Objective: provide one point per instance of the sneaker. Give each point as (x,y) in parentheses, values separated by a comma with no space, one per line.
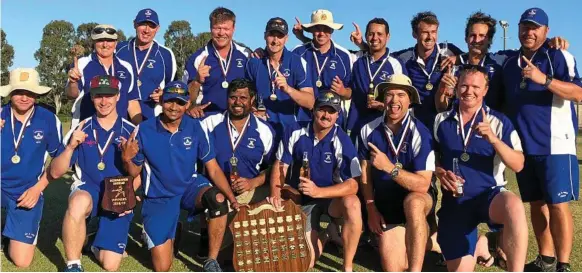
(74,268)
(211,265)
(177,238)
(203,246)
(538,265)
(564,268)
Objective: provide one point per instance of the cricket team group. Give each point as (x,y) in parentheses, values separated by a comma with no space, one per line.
(378,129)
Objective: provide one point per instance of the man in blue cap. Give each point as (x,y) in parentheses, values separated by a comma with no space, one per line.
(154,65)
(165,150)
(542,83)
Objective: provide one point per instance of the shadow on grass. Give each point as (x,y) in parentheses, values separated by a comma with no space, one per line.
(55,205)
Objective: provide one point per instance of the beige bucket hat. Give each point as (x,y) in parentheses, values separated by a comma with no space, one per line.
(399,81)
(322,17)
(104,32)
(25,79)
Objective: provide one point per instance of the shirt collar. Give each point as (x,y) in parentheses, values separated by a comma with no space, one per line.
(464,59)
(432,57)
(453,113)
(133,41)
(161,128)
(327,138)
(95,124)
(402,122)
(331,51)
(381,58)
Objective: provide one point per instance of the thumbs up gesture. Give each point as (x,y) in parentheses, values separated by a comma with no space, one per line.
(533,72)
(203,71)
(379,159)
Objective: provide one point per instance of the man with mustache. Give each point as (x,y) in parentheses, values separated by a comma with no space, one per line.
(29,133)
(93,148)
(542,84)
(210,69)
(103,61)
(154,65)
(331,186)
(397,164)
(282,79)
(165,150)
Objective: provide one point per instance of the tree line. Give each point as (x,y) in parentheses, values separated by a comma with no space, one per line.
(59,36)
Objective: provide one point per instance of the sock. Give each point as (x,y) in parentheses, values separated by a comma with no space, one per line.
(69,263)
(562,265)
(548,259)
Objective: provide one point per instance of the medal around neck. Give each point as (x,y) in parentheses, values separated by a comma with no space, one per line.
(429,86)
(318,83)
(465,157)
(225,84)
(15,159)
(101,166)
(273,97)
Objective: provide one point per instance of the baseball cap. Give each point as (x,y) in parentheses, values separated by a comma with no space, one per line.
(399,81)
(104,85)
(328,98)
(104,32)
(176,90)
(535,15)
(277,24)
(147,15)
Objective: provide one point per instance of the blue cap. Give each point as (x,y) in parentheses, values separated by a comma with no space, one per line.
(535,15)
(147,15)
(176,90)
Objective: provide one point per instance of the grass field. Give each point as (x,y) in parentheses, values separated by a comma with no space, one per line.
(49,255)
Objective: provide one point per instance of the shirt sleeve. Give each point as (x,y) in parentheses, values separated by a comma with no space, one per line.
(350,165)
(205,144)
(269,151)
(139,157)
(132,92)
(190,69)
(250,70)
(362,147)
(565,68)
(284,151)
(509,135)
(55,136)
(171,66)
(423,153)
(302,74)
(63,145)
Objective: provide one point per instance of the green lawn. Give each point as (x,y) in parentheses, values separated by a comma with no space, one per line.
(49,255)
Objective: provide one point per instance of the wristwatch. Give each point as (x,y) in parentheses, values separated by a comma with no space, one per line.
(549,79)
(394,173)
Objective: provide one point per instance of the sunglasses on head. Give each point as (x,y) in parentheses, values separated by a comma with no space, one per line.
(325,97)
(479,68)
(108,30)
(176,90)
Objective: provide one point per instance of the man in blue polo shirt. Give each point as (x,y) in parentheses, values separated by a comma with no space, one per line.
(210,69)
(396,152)
(154,65)
(165,150)
(29,133)
(282,79)
(542,83)
(369,70)
(93,148)
(475,143)
(329,63)
(103,61)
(329,185)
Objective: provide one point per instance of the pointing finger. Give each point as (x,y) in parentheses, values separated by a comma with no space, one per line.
(356,26)
(527,61)
(203,62)
(205,105)
(485,119)
(374,148)
(80,127)
(297,20)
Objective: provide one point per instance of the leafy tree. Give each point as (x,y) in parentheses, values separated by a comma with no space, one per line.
(7,54)
(181,41)
(121,36)
(54,58)
(84,36)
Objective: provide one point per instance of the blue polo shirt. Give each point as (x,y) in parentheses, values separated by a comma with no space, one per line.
(416,153)
(495,94)
(41,138)
(332,159)
(169,160)
(89,66)
(546,123)
(339,63)
(158,70)
(484,170)
(284,110)
(359,113)
(86,156)
(255,147)
(212,90)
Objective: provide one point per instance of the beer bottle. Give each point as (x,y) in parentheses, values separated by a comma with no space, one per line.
(305,172)
(233,169)
(459,186)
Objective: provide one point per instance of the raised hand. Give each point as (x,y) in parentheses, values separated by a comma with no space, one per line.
(308,187)
(337,85)
(203,71)
(533,72)
(484,129)
(198,110)
(129,148)
(297,28)
(356,35)
(379,159)
(281,82)
(155,96)
(78,136)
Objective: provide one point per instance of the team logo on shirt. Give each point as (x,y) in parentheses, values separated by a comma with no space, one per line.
(151,63)
(563,194)
(239,63)
(188,142)
(384,76)
(251,144)
(121,74)
(29,235)
(404,147)
(332,64)
(121,245)
(38,135)
(327,157)
(286,73)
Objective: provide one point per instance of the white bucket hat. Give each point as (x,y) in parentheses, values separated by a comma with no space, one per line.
(24,79)
(323,17)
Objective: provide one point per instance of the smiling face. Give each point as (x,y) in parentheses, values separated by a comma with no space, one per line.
(377,37)
(240,103)
(477,39)
(321,34)
(22,100)
(146,32)
(397,103)
(325,117)
(532,36)
(174,109)
(105,48)
(275,41)
(426,35)
(105,104)
(472,88)
(222,32)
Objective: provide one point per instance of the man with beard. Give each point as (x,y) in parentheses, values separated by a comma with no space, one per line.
(31,133)
(154,65)
(475,143)
(210,69)
(93,148)
(102,62)
(282,79)
(331,186)
(397,163)
(329,63)
(542,83)
(165,150)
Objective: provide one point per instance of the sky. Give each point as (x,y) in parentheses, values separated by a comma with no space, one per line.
(23,20)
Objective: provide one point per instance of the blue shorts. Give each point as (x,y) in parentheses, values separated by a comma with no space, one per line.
(112,230)
(21,224)
(551,178)
(160,215)
(457,227)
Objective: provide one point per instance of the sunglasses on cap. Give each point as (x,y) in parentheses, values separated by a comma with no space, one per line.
(479,68)
(328,98)
(108,30)
(176,90)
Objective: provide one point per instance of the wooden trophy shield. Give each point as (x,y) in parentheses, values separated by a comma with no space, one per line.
(118,195)
(268,240)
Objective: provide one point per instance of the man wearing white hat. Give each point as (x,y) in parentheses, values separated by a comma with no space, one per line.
(29,132)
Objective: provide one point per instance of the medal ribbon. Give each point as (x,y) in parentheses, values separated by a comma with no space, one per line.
(396,150)
(462,128)
(272,75)
(379,68)
(224,68)
(102,151)
(481,63)
(18,140)
(140,67)
(320,69)
(433,66)
(234,142)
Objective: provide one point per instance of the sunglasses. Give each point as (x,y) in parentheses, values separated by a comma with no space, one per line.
(326,97)
(479,68)
(108,30)
(176,90)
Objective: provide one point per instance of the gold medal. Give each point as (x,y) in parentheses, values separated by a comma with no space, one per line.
(371,86)
(465,157)
(318,83)
(15,159)
(139,83)
(273,97)
(398,165)
(429,86)
(101,166)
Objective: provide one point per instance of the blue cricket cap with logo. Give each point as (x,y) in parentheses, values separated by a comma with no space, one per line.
(176,90)
(535,15)
(147,15)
